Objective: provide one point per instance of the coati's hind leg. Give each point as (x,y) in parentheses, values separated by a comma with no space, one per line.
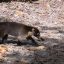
(29,37)
(4,38)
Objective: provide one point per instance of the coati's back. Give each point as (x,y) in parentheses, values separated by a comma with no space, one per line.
(14,29)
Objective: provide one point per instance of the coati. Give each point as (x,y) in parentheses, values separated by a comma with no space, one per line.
(20,31)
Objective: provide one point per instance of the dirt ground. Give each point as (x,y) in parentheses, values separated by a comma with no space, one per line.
(48,17)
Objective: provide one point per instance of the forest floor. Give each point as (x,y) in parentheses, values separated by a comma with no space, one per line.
(48,17)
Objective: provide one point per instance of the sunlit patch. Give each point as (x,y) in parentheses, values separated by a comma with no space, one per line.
(3,50)
(19,13)
(59,0)
(37,48)
(48,6)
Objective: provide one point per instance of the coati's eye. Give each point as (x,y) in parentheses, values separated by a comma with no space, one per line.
(38,34)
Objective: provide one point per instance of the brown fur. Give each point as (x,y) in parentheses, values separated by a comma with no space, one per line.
(20,31)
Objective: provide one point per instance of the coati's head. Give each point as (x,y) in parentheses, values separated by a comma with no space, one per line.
(36,32)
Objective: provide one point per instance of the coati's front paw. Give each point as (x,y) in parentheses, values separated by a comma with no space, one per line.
(41,39)
(33,40)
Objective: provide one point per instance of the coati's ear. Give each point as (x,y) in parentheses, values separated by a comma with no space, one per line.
(33,29)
